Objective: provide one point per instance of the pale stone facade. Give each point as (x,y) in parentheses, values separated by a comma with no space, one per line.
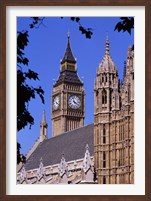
(114,121)
(73,172)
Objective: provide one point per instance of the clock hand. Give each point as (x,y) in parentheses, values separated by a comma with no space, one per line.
(57,103)
(75,102)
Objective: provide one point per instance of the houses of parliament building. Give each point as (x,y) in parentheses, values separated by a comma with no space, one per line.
(98,153)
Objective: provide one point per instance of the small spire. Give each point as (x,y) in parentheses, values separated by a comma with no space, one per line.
(43,117)
(43,127)
(41,160)
(124,73)
(87,147)
(107,44)
(63,155)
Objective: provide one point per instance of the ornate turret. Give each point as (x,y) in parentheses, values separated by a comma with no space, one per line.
(106,84)
(107,63)
(106,103)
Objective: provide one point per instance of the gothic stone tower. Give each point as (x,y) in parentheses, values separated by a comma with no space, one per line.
(67,96)
(127,119)
(113,122)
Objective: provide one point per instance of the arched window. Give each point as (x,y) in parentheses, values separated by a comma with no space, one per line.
(129,93)
(104,180)
(104,159)
(98,136)
(121,157)
(123,132)
(97,99)
(102,78)
(111,94)
(119,133)
(106,78)
(104,96)
(132,76)
(104,134)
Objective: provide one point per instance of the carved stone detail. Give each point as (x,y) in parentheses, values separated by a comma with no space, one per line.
(23,175)
(87,163)
(63,166)
(41,170)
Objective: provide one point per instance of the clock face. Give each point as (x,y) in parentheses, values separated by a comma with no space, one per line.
(74,102)
(56,102)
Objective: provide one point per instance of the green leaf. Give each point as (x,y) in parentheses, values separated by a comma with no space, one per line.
(32,75)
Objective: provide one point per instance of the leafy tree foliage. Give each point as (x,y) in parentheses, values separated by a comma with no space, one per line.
(25,92)
(126,24)
(88,32)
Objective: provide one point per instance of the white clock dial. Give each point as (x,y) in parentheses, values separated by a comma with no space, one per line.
(56,103)
(74,102)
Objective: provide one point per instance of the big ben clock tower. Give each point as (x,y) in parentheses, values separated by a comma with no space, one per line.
(67,96)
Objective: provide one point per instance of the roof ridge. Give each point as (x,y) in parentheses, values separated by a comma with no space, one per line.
(71,131)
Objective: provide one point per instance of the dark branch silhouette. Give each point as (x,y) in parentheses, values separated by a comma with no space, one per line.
(25,92)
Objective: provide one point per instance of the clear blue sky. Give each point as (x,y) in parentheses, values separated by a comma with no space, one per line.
(46,47)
